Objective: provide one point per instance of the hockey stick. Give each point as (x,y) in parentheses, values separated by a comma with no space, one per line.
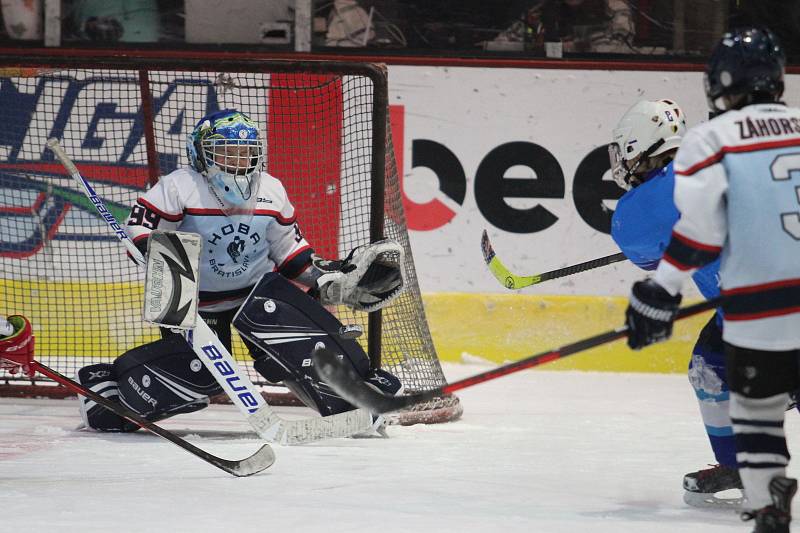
(343,379)
(513,281)
(261,460)
(213,354)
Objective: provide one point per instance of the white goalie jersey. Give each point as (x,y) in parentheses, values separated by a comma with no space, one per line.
(737,187)
(237,250)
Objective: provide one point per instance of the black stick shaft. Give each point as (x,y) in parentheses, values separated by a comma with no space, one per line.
(566,350)
(580,267)
(229,466)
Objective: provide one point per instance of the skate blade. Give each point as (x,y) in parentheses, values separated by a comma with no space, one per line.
(730,500)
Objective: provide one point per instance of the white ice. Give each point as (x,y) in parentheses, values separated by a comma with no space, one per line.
(535,451)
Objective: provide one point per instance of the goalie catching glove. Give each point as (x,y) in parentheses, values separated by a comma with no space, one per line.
(368,279)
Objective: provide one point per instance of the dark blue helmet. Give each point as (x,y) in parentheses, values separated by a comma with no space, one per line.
(746,66)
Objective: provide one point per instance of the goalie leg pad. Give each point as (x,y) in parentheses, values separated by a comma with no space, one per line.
(164,378)
(280,321)
(100,378)
(219,323)
(308,389)
(318,396)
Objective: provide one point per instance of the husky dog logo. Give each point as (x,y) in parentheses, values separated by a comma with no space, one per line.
(235,248)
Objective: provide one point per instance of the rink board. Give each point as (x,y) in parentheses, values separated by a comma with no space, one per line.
(508,327)
(494,327)
(83,318)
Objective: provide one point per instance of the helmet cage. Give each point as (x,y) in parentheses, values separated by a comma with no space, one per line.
(233,166)
(225,147)
(627,172)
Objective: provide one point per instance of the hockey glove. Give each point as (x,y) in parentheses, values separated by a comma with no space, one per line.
(368,279)
(650,314)
(16,350)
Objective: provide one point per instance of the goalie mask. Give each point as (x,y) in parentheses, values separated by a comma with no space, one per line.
(645,135)
(226,148)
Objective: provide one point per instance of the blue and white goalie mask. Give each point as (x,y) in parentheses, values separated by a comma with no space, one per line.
(226,148)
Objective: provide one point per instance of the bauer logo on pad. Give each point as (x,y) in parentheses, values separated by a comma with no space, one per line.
(171,283)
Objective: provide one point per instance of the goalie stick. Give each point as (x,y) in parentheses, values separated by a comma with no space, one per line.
(513,281)
(213,354)
(343,378)
(261,460)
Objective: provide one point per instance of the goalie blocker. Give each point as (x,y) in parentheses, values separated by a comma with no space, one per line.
(281,326)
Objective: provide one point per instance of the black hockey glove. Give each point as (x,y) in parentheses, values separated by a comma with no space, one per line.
(650,314)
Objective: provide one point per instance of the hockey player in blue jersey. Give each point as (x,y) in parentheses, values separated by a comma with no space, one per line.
(252,247)
(736,187)
(644,144)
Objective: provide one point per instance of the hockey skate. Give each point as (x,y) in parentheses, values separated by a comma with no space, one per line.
(703,488)
(775,518)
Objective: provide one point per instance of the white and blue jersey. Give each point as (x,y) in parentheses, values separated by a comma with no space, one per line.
(737,187)
(237,250)
(642,225)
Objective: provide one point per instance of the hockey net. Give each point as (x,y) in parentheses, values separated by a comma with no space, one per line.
(124,122)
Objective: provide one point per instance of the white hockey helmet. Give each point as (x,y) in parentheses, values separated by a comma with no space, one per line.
(647,130)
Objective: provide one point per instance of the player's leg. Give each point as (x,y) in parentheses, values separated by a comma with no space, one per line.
(281,325)
(710,383)
(760,383)
(158,380)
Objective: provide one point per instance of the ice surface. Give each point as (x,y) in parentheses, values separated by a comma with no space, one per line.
(535,451)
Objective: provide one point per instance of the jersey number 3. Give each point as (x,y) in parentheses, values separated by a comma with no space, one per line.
(782,168)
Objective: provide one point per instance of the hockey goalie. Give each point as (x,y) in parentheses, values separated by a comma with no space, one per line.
(253,258)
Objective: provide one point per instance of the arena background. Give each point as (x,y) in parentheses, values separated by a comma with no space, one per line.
(456,126)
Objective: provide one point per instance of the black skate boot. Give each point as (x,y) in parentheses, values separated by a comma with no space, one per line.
(702,487)
(775,518)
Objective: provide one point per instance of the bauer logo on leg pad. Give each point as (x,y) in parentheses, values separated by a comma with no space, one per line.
(171,281)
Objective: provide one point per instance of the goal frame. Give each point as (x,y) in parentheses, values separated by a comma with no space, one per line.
(36,61)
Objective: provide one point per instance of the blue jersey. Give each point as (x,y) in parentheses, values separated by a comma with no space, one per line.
(642,225)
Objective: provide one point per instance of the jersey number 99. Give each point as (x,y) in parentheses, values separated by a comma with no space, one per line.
(141,216)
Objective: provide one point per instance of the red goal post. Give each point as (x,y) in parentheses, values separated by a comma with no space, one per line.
(124,121)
